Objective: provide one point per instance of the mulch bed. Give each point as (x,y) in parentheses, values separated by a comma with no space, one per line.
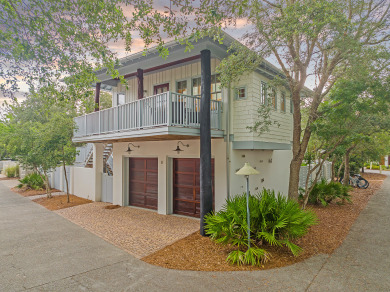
(60,202)
(9,178)
(201,254)
(111,207)
(25,192)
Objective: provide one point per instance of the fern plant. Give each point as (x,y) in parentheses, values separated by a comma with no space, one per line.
(274,221)
(324,192)
(32,181)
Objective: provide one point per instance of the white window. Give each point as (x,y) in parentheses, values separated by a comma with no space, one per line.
(263,93)
(241,93)
(181,87)
(120,99)
(274,98)
(216,91)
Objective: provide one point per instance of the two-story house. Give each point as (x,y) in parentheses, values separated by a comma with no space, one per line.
(151,133)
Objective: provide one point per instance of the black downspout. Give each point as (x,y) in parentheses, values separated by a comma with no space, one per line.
(206,195)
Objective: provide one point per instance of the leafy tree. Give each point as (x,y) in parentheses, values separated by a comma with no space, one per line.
(39,133)
(354,112)
(42,41)
(322,40)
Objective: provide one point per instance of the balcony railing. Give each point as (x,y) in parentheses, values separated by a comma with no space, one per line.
(165,109)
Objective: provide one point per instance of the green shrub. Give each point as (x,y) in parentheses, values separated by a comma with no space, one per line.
(32,181)
(383,167)
(274,221)
(12,171)
(324,192)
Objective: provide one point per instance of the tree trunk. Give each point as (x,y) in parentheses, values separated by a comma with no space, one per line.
(339,170)
(48,189)
(66,181)
(333,174)
(293,185)
(346,168)
(298,147)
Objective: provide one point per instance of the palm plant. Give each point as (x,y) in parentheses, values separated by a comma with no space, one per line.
(275,221)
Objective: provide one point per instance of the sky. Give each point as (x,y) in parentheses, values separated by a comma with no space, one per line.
(138,45)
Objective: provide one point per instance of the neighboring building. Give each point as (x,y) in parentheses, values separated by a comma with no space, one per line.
(159,109)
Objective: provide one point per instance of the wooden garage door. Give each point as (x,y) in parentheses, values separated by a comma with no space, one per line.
(186,186)
(143,182)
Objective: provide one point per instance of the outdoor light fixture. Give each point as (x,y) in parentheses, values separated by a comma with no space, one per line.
(129,149)
(247,170)
(178,150)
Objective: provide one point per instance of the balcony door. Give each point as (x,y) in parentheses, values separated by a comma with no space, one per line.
(157,89)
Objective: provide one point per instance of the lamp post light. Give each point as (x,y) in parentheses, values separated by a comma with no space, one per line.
(246,171)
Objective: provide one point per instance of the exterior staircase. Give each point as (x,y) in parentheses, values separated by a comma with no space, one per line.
(107,158)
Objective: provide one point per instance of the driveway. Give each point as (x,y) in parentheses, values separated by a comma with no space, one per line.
(41,251)
(138,231)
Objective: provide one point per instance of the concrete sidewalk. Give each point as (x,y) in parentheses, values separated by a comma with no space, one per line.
(41,251)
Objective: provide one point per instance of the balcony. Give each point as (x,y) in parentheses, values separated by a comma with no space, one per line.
(166,114)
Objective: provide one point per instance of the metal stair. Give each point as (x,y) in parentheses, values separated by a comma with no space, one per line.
(107,158)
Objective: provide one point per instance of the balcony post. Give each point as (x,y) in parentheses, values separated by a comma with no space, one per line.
(206,194)
(168,109)
(140,81)
(97,97)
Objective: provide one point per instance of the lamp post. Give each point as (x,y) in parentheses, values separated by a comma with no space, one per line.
(246,171)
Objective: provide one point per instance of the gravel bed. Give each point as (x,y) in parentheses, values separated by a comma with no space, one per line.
(138,231)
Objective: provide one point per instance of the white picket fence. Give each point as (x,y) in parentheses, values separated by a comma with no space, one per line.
(326,173)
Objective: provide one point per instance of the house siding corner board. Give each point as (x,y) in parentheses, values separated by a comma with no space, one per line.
(170,75)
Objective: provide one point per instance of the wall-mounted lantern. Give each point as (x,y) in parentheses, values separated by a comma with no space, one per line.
(129,150)
(178,149)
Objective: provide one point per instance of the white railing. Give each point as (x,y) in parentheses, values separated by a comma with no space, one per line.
(165,109)
(83,154)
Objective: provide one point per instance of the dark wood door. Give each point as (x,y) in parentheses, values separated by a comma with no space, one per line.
(186,186)
(143,182)
(161,88)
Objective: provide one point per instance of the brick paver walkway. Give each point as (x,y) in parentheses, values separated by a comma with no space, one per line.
(140,232)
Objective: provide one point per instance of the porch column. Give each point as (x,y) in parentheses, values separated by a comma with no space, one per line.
(98,149)
(206,195)
(97,97)
(140,81)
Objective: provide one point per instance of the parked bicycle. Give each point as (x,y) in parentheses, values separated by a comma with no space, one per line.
(356,180)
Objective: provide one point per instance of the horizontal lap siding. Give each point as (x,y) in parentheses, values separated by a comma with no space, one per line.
(245,113)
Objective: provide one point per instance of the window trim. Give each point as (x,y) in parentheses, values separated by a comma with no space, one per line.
(273,90)
(263,96)
(236,89)
(117,97)
(181,80)
(198,77)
